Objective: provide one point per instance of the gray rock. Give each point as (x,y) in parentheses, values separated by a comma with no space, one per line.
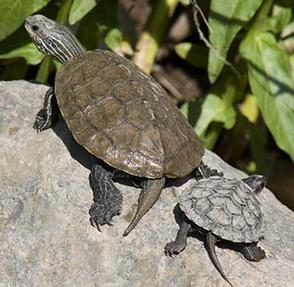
(46,238)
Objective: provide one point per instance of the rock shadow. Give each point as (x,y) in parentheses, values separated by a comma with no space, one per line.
(200,233)
(86,159)
(77,152)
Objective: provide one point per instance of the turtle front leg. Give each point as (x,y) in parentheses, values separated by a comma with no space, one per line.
(203,171)
(150,193)
(180,243)
(253,252)
(107,198)
(48,115)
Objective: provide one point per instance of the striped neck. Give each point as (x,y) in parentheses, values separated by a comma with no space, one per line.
(61,46)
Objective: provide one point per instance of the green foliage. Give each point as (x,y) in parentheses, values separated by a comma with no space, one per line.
(27,51)
(79,9)
(271,82)
(13,13)
(246,101)
(226,18)
(19,45)
(196,55)
(280,18)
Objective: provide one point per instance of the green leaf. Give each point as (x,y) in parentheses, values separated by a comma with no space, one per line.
(196,55)
(79,9)
(113,38)
(271,82)
(19,45)
(249,108)
(88,32)
(212,110)
(185,2)
(287,36)
(288,31)
(108,24)
(29,52)
(209,115)
(191,110)
(226,18)
(280,18)
(292,65)
(13,13)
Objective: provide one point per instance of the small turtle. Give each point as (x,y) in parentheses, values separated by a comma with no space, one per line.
(118,113)
(221,209)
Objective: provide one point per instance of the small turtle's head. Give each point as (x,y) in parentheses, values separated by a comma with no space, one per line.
(53,39)
(256,182)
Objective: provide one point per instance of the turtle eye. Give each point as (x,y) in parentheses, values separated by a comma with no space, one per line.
(35,28)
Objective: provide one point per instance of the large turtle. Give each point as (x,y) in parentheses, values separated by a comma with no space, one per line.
(119,114)
(221,209)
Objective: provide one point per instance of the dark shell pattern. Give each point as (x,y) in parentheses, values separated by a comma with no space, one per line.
(122,116)
(227,207)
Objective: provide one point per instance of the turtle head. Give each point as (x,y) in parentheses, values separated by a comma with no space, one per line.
(53,39)
(256,182)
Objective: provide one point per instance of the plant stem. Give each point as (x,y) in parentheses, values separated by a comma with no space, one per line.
(212,135)
(63,11)
(43,71)
(149,41)
(262,15)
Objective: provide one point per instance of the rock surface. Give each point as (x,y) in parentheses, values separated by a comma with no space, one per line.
(46,238)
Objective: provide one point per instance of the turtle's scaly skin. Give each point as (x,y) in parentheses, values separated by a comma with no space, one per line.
(227,207)
(122,116)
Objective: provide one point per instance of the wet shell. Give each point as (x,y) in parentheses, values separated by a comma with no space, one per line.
(122,116)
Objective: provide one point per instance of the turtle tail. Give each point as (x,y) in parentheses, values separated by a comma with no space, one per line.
(149,195)
(210,245)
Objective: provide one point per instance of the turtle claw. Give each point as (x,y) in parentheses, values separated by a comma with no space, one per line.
(94,224)
(100,215)
(109,222)
(168,253)
(42,122)
(173,248)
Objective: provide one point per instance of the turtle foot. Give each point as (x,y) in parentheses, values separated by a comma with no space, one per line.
(101,215)
(107,198)
(253,253)
(41,123)
(47,116)
(180,243)
(174,247)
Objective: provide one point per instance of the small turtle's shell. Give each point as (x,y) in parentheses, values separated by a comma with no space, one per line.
(122,116)
(227,207)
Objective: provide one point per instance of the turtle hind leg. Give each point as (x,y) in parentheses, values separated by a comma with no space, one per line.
(48,115)
(107,198)
(180,243)
(210,246)
(253,252)
(150,193)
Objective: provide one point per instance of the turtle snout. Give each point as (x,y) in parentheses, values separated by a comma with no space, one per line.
(31,25)
(256,182)
(260,182)
(28,25)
